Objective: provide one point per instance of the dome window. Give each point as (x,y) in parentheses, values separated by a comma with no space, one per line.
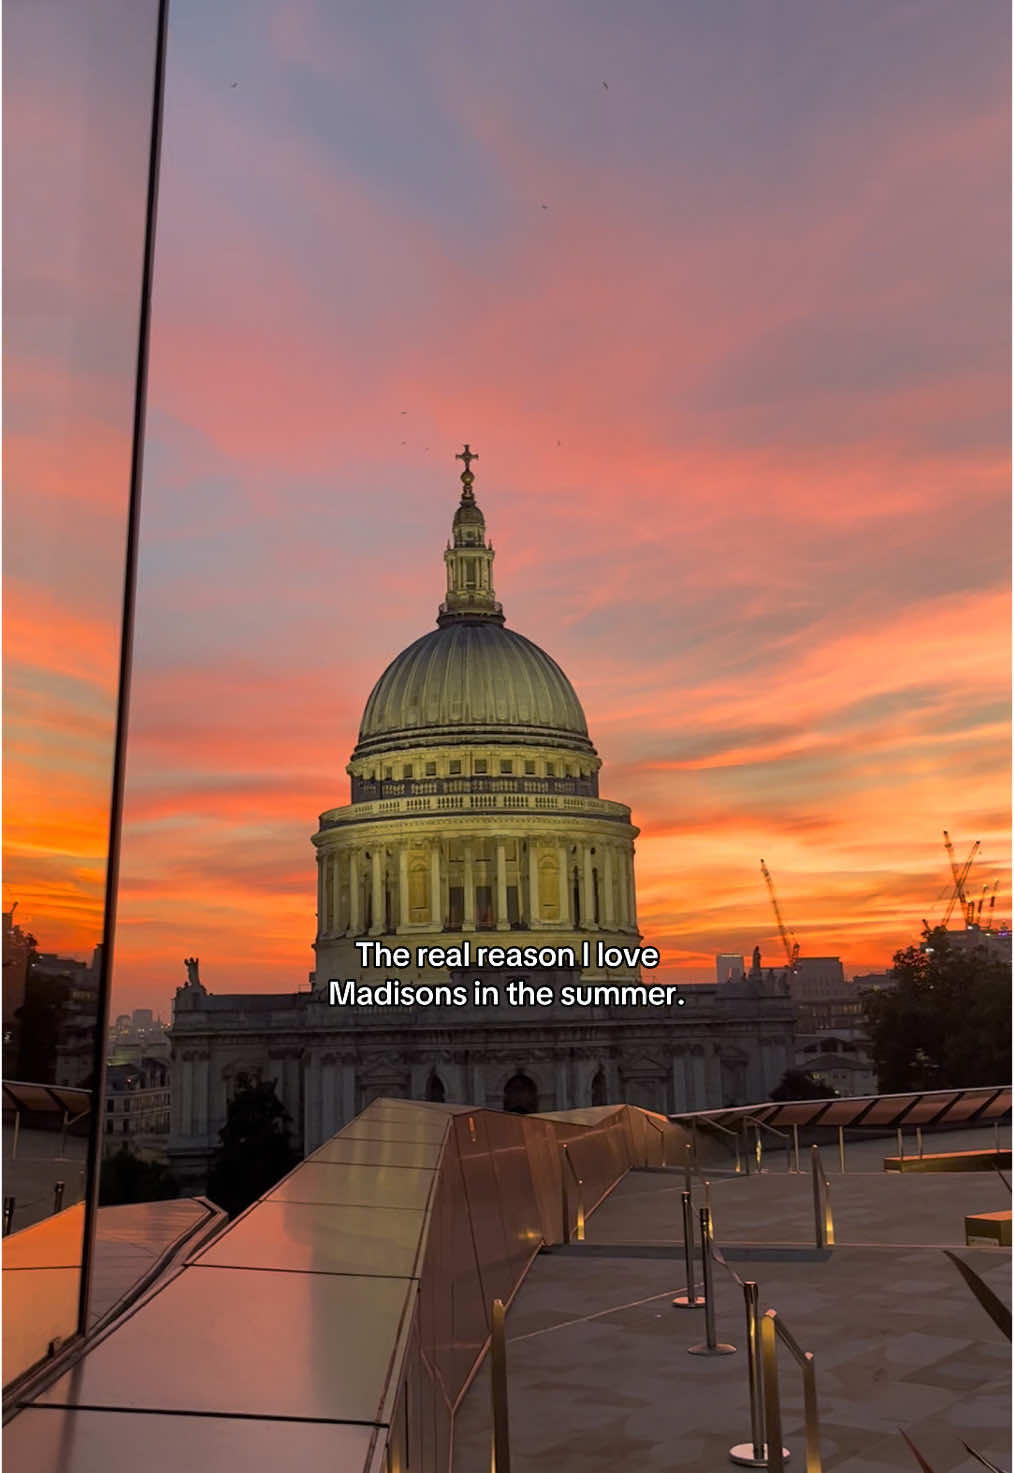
(480,764)
(388,773)
(506,765)
(529,769)
(550,769)
(454,768)
(431,769)
(406,770)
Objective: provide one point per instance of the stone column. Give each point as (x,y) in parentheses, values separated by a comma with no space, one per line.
(403,912)
(561,859)
(587,890)
(201,1094)
(355,921)
(336,893)
(187,1112)
(502,922)
(609,910)
(379,898)
(321,917)
(533,884)
(628,879)
(348,1092)
(436,897)
(562,1093)
(468,924)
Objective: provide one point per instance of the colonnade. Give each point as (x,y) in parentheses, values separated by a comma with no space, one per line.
(495,882)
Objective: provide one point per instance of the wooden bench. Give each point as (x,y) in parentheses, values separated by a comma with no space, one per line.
(988,1227)
(990,1160)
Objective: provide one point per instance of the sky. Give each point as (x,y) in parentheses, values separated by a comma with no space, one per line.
(721,296)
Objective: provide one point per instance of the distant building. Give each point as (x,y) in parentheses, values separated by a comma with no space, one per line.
(728,966)
(994,944)
(138,1107)
(17,955)
(816,977)
(842,1063)
(136,1036)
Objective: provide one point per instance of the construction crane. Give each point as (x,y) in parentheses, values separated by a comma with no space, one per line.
(791,947)
(992,903)
(960,876)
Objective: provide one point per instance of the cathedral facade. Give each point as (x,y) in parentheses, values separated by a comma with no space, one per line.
(474,822)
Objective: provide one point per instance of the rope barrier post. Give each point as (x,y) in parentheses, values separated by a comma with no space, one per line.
(688,1169)
(739,1163)
(58,1196)
(710,1346)
(841,1148)
(772,1401)
(795,1144)
(752,1454)
(901,1145)
(758,1147)
(8,1215)
(500,1461)
(812,1421)
(918,1140)
(689,1300)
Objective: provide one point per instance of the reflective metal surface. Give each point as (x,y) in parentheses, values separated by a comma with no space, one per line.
(95,1442)
(250,1343)
(357,1294)
(932,1107)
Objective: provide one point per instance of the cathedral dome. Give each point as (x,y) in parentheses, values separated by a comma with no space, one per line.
(472,680)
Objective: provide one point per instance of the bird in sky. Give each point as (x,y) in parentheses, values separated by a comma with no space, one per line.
(606,86)
(545,207)
(233,84)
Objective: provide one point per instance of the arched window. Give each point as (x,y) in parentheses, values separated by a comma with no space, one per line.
(435,1090)
(520,1096)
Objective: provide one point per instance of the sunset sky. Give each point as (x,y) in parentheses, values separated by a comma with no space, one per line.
(719,292)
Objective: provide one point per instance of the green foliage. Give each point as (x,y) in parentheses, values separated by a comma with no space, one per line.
(946,1023)
(255,1152)
(127,1178)
(796,1084)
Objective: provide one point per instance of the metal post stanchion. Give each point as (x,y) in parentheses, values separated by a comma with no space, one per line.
(841,1148)
(901,1146)
(711,1345)
(564,1194)
(788,1154)
(739,1163)
(758,1147)
(688,1169)
(753,1454)
(689,1300)
(8,1215)
(918,1140)
(772,1402)
(501,1455)
(996,1136)
(795,1144)
(58,1196)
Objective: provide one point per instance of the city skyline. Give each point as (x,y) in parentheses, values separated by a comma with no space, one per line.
(721,299)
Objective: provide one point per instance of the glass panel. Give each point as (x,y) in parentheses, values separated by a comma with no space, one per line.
(77,113)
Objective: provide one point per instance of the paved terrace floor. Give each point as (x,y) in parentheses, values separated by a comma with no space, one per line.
(599,1375)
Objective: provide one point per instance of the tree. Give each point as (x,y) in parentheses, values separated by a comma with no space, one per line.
(946,1022)
(255,1151)
(796,1084)
(127,1178)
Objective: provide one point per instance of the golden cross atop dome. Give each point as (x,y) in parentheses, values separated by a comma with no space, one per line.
(467,455)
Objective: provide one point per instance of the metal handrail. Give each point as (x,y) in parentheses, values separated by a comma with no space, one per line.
(823,1222)
(579,1224)
(714,1125)
(771,1326)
